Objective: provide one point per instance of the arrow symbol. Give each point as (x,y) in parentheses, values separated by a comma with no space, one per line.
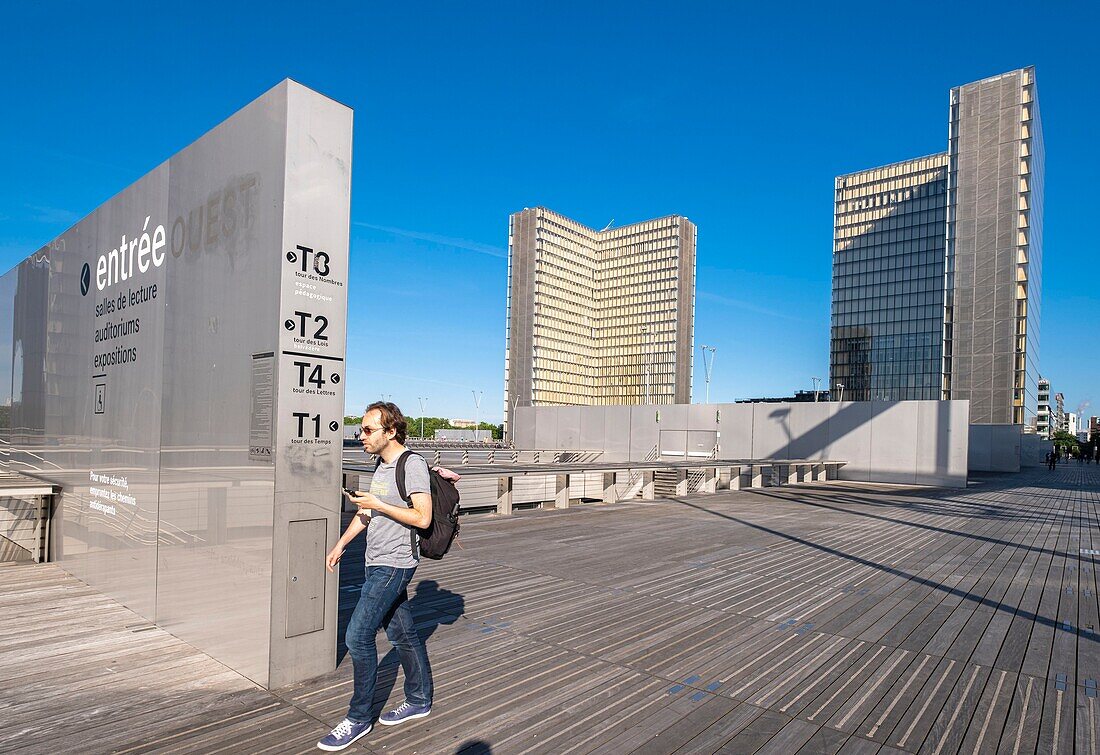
(291,257)
(85,279)
(335,378)
(289,325)
(334,425)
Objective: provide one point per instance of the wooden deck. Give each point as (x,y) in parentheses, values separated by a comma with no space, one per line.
(818,619)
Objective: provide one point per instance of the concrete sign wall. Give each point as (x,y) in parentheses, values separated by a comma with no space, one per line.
(919,442)
(176,361)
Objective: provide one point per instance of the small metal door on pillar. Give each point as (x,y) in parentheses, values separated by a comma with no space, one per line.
(305,586)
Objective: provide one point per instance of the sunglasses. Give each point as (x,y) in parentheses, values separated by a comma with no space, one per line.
(365,431)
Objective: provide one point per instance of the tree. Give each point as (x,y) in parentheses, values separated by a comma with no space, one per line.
(498,430)
(1065,443)
(431,424)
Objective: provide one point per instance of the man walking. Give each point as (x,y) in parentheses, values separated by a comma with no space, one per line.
(392,556)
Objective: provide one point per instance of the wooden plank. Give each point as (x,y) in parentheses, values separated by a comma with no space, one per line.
(726,728)
(824,742)
(759,732)
(673,737)
(791,738)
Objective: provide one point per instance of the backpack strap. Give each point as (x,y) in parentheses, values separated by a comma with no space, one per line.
(399,478)
(399,475)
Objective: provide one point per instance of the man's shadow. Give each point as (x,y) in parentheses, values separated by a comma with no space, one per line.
(431,607)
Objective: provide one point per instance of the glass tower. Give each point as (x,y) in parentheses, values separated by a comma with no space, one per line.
(888,259)
(937,263)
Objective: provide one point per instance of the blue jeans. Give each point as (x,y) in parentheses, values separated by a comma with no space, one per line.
(384,602)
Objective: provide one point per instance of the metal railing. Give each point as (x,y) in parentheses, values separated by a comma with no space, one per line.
(438,456)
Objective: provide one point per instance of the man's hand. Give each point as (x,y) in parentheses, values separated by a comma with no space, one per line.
(334,557)
(365,501)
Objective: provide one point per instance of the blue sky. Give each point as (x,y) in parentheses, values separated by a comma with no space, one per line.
(738,118)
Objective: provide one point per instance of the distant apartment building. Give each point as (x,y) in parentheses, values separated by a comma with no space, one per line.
(937,263)
(1094,427)
(598,317)
(1072,420)
(1044,419)
(1058,413)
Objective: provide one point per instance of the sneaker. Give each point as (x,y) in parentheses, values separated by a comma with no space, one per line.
(405,712)
(343,735)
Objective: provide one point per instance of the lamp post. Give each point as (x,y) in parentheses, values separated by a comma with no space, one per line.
(708,367)
(840,386)
(816,380)
(477,409)
(512,420)
(423,402)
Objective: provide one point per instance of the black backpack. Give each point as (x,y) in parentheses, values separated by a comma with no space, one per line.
(436,540)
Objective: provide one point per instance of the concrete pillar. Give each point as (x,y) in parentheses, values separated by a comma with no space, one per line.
(792,474)
(758,472)
(561,491)
(649,486)
(504,495)
(806,472)
(735,478)
(681,481)
(724,478)
(609,493)
(819,473)
(710,480)
(830,471)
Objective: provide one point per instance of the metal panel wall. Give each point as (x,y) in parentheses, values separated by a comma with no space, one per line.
(309,431)
(893,461)
(771,432)
(809,424)
(735,430)
(644,432)
(994,448)
(850,438)
(131,344)
(217,504)
(617,439)
(923,442)
(936,457)
(523,428)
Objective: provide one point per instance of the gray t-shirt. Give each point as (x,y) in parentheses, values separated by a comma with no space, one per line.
(388,541)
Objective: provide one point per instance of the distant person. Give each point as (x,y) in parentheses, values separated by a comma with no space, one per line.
(392,556)
(1050,460)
